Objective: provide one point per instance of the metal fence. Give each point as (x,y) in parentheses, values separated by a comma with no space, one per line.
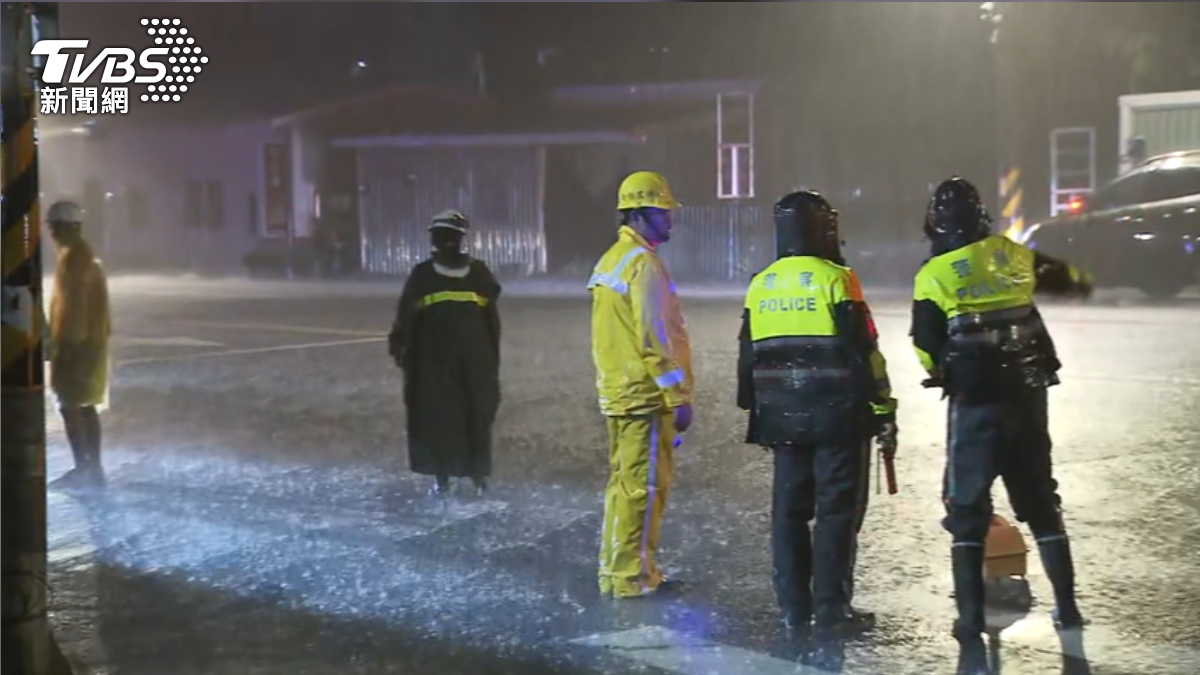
(498,189)
(720,243)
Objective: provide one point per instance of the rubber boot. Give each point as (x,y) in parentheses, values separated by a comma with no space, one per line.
(970,593)
(970,596)
(973,657)
(1060,568)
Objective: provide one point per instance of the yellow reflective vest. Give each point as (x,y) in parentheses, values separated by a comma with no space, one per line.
(796,297)
(639,336)
(992,280)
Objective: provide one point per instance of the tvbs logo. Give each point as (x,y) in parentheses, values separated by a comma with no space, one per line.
(166,69)
(117,61)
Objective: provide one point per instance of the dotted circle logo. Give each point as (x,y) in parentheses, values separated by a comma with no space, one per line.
(186,58)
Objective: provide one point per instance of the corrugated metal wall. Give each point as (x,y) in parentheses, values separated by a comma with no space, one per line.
(1168,129)
(400,190)
(720,243)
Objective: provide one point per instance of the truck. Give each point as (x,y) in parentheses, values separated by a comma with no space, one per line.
(1156,124)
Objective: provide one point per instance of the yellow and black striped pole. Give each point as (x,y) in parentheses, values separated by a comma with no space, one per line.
(26,647)
(1010,200)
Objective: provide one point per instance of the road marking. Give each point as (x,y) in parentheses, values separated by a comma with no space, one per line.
(281,328)
(167,342)
(254,350)
(666,649)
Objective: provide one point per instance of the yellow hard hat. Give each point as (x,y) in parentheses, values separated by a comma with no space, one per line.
(645,189)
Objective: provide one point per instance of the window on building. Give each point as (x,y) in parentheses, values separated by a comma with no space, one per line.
(735,146)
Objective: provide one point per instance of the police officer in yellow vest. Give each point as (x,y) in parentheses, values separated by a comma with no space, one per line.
(644,380)
(979,335)
(811,376)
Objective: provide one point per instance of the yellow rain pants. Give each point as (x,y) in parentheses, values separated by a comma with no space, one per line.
(641,464)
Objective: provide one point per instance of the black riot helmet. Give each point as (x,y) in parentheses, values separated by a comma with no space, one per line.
(956,216)
(806,224)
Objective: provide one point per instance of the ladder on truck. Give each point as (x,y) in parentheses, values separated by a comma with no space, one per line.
(1072,167)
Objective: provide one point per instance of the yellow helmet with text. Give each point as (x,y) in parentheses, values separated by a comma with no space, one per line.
(642,189)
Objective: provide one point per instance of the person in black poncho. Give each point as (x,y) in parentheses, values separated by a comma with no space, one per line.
(446,339)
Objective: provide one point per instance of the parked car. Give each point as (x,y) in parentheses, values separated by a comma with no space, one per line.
(1140,230)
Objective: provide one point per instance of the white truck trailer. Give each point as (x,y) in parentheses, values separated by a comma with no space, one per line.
(1155,124)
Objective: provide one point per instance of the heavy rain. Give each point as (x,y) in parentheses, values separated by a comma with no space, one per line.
(360,405)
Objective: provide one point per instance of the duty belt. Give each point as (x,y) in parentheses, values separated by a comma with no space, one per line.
(1017,323)
(809,343)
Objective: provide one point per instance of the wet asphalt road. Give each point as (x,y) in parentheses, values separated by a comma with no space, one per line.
(259,517)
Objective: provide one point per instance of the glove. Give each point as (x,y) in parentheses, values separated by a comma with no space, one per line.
(886,440)
(683,417)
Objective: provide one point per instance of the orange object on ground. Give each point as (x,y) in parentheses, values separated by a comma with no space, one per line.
(1005,550)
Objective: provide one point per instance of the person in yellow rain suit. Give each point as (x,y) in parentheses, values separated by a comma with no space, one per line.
(644,379)
(79,330)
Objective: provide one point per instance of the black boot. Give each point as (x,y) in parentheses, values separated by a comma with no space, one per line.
(1060,568)
(970,593)
(858,621)
(973,657)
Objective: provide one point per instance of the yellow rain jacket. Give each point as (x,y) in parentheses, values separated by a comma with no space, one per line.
(79,328)
(639,336)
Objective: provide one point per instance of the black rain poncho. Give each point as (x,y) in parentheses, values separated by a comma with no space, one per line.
(446,337)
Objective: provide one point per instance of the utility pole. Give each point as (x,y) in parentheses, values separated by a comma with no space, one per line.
(26,646)
(1008,116)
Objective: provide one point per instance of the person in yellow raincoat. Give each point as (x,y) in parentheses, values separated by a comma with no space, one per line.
(644,380)
(79,331)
